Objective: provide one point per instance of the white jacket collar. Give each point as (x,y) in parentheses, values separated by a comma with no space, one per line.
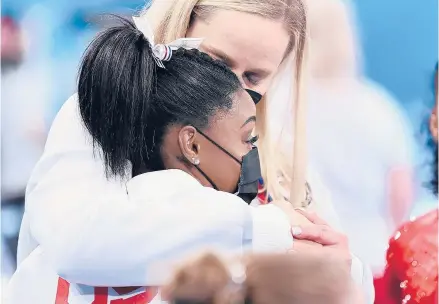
(160,184)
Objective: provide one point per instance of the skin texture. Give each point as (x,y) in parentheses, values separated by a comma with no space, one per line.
(252,46)
(231,130)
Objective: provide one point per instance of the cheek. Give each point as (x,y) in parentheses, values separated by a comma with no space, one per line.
(242,52)
(219,167)
(225,172)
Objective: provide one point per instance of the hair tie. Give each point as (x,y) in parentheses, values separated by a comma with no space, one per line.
(163,52)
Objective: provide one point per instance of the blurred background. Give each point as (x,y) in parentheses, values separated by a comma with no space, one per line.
(389,49)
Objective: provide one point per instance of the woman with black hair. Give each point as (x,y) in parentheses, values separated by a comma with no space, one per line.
(189,125)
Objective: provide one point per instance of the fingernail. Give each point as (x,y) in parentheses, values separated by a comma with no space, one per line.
(299,209)
(296,230)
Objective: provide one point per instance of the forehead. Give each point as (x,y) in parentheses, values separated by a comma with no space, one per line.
(243,108)
(249,40)
(244,104)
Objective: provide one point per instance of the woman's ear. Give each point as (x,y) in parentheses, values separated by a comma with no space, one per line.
(188,143)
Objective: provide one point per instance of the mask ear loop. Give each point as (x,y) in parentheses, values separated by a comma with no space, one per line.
(196,165)
(206,177)
(218,146)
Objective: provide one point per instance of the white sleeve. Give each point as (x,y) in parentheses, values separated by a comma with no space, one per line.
(94,234)
(363,278)
(271,229)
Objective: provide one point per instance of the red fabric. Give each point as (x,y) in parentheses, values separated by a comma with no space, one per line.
(411,275)
(62,292)
(143,298)
(262,194)
(101,294)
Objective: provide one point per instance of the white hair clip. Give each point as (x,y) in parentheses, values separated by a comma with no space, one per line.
(163,52)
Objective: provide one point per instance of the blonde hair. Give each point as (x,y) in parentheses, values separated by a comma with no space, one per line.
(171,20)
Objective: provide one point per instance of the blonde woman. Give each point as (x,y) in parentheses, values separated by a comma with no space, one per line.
(82,218)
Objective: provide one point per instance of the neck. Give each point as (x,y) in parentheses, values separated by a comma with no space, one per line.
(180,164)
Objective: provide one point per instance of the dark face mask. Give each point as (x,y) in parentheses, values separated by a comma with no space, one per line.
(248,184)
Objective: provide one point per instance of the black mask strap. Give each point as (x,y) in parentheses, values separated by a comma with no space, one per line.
(206,177)
(218,146)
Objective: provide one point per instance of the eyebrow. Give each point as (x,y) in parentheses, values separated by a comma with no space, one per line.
(249,120)
(220,55)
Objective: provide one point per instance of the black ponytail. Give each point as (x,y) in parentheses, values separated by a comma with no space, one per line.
(127,102)
(116,78)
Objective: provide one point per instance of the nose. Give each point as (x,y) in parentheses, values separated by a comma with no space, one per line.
(261,87)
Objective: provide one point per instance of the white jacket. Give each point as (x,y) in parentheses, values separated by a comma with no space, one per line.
(181,218)
(91,232)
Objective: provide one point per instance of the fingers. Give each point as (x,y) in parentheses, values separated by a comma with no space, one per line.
(321,234)
(312,217)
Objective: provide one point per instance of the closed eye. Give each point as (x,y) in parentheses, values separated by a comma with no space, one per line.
(252,78)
